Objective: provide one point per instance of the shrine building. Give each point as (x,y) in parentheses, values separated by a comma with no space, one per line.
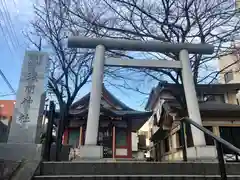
(116,125)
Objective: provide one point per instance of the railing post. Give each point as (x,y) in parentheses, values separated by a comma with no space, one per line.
(221,162)
(184,146)
(48,140)
(60,133)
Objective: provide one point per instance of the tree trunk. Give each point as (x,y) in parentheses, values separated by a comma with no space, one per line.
(60,131)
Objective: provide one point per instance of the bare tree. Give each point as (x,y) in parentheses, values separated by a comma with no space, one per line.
(177,21)
(70,69)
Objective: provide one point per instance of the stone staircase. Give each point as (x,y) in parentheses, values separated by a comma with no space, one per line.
(134,170)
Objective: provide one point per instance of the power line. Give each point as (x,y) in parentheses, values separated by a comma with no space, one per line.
(6,34)
(10,21)
(4,95)
(7,82)
(7,42)
(12,37)
(9,25)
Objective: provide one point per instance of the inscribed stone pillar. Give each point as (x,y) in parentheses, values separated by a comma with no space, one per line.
(30,99)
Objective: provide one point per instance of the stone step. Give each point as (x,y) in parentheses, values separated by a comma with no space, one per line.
(136,177)
(133,168)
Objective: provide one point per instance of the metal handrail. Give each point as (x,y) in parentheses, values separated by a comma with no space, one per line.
(218,140)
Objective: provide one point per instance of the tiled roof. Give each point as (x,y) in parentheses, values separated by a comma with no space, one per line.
(107,96)
(213,109)
(200,88)
(210,106)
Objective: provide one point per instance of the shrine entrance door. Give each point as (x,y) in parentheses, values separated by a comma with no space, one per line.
(105,140)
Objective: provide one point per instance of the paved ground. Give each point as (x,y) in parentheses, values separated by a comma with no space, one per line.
(7,168)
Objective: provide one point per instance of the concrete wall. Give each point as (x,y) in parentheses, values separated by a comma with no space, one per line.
(149,126)
(225,61)
(146,128)
(64,154)
(230,63)
(175,156)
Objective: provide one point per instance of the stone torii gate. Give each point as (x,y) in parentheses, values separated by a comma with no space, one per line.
(91,150)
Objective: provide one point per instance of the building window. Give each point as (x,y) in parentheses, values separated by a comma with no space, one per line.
(155,120)
(189,136)
(121,137)
(214,97)
(151,132)
(166,145)
(179,139)
(228,76)
(209,140)
(73,138)
(199,97)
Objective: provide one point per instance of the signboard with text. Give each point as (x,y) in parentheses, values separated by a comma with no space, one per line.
(30,98)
